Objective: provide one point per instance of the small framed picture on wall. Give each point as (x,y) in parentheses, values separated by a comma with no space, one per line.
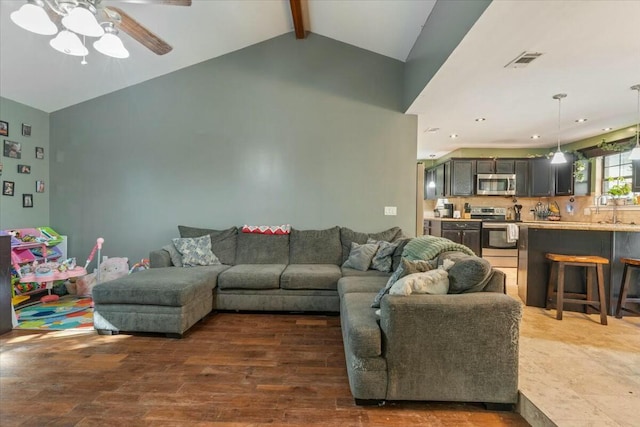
(26,129)
(12,149)
(27,200)
(7,188)
(40,153)
(24,169)
(4,128)
(39,186)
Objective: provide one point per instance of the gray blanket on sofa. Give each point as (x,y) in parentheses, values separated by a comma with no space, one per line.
(429,247)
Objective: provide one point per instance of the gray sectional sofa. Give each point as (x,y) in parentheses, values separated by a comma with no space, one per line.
(460,347)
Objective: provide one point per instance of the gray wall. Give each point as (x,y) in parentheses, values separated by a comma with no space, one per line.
(12,214)
(448,23)
(307,132)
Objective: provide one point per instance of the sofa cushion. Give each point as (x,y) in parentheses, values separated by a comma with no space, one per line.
(361,255)
(196,251)
(362,332)
(176,257)
(347,236)
(170,286)
(315,246)
(361,284)
(310,276)
(468,273)
(223,242)
(251,276)
(433,282)
(262,249)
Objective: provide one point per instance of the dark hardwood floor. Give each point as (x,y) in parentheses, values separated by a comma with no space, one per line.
(233,369)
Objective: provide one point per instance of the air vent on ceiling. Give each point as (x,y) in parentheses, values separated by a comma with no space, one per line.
(522,60)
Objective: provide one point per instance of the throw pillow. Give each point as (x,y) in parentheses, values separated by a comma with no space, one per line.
(468,273)
(382,260)
(434,282)
(196,251)
(360,256)
(382,292)
(223,242)
(176,258)
(347,236)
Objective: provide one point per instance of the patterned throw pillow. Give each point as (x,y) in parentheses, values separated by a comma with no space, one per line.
(433,282)
(360,256)
(384,257)
(196,251)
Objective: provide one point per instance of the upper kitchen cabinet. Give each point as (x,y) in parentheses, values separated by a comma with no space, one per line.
(430,178)
(522,177)
(582,178)
(462,175)
(563,177)
(495,166)
(436,175)
(540,177)
(636,176)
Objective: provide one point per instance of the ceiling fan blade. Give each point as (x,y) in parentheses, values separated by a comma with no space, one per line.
(164,2)
(138,32)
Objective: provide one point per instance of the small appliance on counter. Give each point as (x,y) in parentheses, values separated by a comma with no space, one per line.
(447,212)
(517,209)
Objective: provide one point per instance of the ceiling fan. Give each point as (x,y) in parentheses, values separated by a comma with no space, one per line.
(90,18)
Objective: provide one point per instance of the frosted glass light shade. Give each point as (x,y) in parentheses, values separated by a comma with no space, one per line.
(432,184)
(33,18)
(635,153)
(82,21)
(111,45)
(558,158)
(68,43)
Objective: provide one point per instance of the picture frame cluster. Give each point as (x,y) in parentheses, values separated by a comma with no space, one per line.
(13,150)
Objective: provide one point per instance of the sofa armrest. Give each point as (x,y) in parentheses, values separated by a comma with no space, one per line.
(160,258)
(497,283)
(452,347)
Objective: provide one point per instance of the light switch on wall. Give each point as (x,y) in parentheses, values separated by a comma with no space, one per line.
(390,210)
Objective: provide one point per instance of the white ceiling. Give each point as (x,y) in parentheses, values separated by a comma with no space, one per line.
(591,51)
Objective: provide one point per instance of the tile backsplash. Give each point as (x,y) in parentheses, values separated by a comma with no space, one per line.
(583,209)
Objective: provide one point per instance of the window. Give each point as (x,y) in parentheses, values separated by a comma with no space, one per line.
(614,166)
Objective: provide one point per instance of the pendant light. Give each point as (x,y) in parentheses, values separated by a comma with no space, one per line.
(635,153)
(558,157)
(432,183)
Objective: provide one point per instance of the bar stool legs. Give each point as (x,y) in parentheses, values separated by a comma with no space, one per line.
(593,264)
(629,265)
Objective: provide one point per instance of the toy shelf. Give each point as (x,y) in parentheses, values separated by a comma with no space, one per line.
(76,272)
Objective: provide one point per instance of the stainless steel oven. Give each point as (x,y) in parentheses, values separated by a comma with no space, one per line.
(497,248)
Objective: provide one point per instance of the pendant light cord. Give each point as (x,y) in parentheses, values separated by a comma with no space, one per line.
(638,124)
(559,110)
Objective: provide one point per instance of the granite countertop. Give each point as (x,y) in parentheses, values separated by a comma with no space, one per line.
(568,225)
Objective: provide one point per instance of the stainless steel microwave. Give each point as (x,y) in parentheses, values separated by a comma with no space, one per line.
(496,184)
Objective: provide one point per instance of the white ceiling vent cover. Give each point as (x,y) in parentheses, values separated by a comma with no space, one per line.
(522,60)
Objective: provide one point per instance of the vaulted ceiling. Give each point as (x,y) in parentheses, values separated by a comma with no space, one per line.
(590,51)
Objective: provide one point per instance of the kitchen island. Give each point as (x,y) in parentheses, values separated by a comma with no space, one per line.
(610,241)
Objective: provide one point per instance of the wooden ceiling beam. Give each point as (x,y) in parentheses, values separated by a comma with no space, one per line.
(298,23)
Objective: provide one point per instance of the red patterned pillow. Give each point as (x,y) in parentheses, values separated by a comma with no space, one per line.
(267,229)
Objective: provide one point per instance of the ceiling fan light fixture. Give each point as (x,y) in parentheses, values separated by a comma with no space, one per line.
(110,44)
(68,43)
(32,17)
(635,153)
(82,21)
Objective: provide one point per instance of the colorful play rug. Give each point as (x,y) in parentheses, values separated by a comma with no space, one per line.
(69,312)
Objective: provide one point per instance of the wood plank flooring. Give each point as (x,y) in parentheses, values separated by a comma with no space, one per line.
(232,369)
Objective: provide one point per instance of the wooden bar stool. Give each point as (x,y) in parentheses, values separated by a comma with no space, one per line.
(629,265)
(593,264)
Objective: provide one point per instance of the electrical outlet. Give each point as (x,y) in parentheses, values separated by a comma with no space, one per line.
(390,210)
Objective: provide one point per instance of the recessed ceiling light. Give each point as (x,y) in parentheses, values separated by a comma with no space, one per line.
(607,129)
(480,119)
(432,129)
(535,136)
(453,136)
(581,120)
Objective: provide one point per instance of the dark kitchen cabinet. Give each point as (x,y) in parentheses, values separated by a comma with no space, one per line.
(462,177)
(429,177)
(467,233)
(636,176)
(522,177)
(582,184)
(495,166)
(440,180)
(563,177)
(540,177)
